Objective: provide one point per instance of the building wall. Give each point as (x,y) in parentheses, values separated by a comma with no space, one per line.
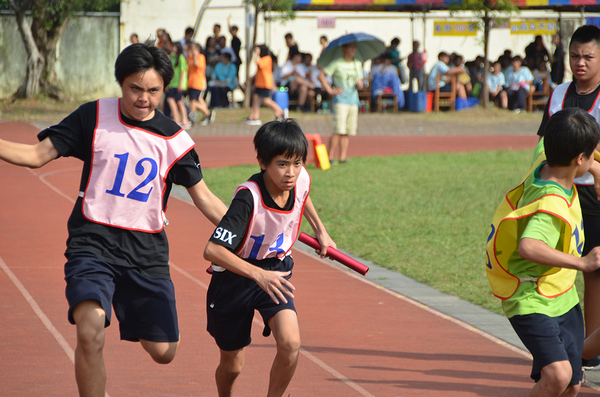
(86,55)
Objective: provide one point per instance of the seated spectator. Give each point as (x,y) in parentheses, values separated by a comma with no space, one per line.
(541,72)
(212,55)
(294,76)
(222,46)
(441,68)
(376,66)
(496,84)
(388,64)
(223,80)
(463,78)
(518,83)
(505,61)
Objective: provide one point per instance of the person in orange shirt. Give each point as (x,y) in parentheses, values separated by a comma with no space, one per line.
(263,86)
(197,85)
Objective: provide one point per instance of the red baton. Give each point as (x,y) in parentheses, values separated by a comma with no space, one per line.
(334,254)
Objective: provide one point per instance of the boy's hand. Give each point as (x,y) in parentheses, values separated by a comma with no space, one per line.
(325,242)
(591,261)
(274,284)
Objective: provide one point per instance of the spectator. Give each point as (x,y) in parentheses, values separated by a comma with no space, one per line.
(164,40)
(496,83)
(558,61)
(324,42)
(263,86)
(395,52)
(216,32)
(134,39)
(223,81)
(463,77)
(388,65)
(294,76)
(197,85)
(212,55)
(415,63)
(188,35)
(537,49)
(540,72)
(505,61)
(441,68)
(236,45)
(518,84)
(178,86)
(347,74)
(222,46)
(376,66)
(291,45)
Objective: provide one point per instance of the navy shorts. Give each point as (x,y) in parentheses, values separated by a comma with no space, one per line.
(145,307)
(263,92)
(552,339)
(175,94)
(195,94)
(231,301)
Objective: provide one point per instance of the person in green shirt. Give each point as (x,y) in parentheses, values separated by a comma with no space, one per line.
(543,307)
(178,87)
(347,75)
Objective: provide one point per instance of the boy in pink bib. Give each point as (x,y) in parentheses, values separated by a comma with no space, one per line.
(250,253)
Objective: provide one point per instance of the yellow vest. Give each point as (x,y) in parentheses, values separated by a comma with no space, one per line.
(502,240)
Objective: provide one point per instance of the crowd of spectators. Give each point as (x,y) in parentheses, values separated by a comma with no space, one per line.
(209,74)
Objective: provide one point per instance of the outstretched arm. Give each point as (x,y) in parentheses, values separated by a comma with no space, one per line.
(310,213)
(25,155)
(206,201)
(272,282)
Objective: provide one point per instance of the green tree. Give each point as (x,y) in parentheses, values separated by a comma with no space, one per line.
(488,11)
(40,35)
(273,10)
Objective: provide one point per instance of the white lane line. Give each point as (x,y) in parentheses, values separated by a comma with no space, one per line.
(36,309)
(306,354)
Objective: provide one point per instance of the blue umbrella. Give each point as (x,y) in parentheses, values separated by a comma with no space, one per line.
(367,47)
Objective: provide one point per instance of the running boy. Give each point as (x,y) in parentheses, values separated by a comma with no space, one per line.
(117,251)
(250,252)
(584,93)
(534,252)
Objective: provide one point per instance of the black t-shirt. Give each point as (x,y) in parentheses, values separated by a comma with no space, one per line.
(587,194)
(238,216)
(149,252)
(236,46)
(293,51)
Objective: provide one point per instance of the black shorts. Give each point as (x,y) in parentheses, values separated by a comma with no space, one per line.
(231,301)
(145,307)
(195,94)
(175,94)
(263,92)
(552,339)
(591,231)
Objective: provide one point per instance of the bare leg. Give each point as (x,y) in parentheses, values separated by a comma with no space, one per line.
(90,372)
(591,299)
(271,104)
(460,90)
(161,352)
(229,369)
(174,110)
(503,99)
(344,143)
(183,111)
(200,105)
(334,142)
(555,381)
(287,335)
(255,109)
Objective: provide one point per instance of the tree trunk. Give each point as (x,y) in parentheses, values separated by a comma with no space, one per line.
(47,42)
(486,62)
(35,61)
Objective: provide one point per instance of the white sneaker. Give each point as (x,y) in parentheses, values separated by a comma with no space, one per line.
(252,122)
(212,116)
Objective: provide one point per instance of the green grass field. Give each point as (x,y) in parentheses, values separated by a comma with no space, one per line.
(425,216)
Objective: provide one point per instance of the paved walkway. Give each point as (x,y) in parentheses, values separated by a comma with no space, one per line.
(380,335)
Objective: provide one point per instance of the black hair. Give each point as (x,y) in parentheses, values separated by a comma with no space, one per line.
(226,55)
(288,36)
(586,33)
(569,133)
(234,27)
(179,47)
(280,138)
(443,54)
(395,41)
(264,50)
(140,57)
(517,58)
(189,30)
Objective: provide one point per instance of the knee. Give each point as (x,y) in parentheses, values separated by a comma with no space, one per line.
(290,347)
(558,381)
(89,320)
(230,366)
(161,352)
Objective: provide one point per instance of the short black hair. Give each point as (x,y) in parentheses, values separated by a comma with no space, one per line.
(395,41)
(226,55)
(140,57)
(280,138)
(569,133)
(288,36)
(586,33)
(264,50)
(443,54)
(189,30)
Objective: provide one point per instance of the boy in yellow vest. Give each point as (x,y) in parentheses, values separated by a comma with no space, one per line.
(534,252)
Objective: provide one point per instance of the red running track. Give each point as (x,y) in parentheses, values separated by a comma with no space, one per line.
(358,339)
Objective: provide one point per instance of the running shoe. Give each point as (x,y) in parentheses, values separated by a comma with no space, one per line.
(252,122)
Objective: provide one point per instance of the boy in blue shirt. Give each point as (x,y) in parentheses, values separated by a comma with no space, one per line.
(251,261)
(534,252)
(518,83)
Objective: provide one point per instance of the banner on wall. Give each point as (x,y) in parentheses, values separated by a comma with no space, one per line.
(444,28)
(533,27)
